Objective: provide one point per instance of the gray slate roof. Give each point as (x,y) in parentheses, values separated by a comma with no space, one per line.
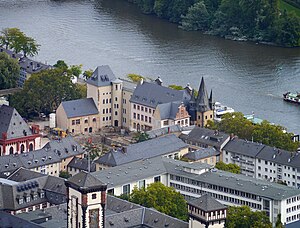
(205,136)
(147,149)
(202,153)
(281,157)
(80,107)
(207,203)
(85,180)
(128,85)
(53,152)
(152,94)
(31,66)
(12,123)
(82,164)
(102,76)
(243,147)
(8,220)
(168,110)
(11,190)
(166,130)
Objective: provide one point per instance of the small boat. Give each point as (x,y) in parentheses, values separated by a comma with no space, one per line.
(292,97)
(221,110)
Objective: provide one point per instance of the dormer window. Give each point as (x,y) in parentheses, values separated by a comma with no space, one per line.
(28,198)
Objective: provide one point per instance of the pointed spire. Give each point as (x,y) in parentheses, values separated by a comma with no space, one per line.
(211,100)
(202,99)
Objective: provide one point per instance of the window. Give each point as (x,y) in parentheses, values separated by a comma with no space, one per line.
(165,123)
(126,189)
(86,121)
(146,118)
(94,119)
(138,116)
(73,122)
(134,106)
(85,129)
(157,179)
(103,111)
(116,99)
(78,121)
(142,184)
(142,117)
(116,87)
(116,113)
(103,101)
(149,119)
(94,196)
(138,107)
(142,108)
(21,201)
(146,109)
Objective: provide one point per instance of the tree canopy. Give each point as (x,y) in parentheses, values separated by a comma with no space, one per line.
(135,77)
(16,40)
(243,217)
(9,71)
(164,199)
(266,133)
(233,168)
(256,20)
(44,91)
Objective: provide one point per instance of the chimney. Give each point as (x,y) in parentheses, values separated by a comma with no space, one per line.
(158,81)
(141,81)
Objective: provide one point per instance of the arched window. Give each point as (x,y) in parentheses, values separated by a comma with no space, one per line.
(22,148)
(30,147)
(11,150)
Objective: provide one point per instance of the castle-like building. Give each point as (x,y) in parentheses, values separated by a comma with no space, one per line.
(139,106)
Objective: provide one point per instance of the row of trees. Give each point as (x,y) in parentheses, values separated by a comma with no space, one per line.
(266,133)
(257,20)
(16,40)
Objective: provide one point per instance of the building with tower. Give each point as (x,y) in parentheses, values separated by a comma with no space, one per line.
(86,198)
(201,107)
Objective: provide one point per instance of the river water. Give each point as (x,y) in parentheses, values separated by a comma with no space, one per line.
(245,76)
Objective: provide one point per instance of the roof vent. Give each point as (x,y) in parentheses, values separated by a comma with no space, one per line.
(126,219)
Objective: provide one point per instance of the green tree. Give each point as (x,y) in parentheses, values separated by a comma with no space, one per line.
(164,199)
(243,217)
(94,150)
(278,223)
(46,90)
(9,71)
(88,73)
(64,174)
(61,64)
(8,35)
(141,136)
(233,168)
(135,77)
(76,70)
(197,18)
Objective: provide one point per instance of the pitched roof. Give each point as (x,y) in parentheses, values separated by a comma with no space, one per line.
(151,148)
(82,164)
(279,156)
(207,203)
(102,76)
(81,107)
(12,123)
(202,153)
(205,136)
(240,146)
(152,94)
(202,101)
(168,110)
(85,181)
(9,220)
(53,152)
(31,66)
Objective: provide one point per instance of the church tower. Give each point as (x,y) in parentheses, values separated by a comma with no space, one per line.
(204,106)
(86,198)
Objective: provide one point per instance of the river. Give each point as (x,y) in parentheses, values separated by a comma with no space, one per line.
(245,76)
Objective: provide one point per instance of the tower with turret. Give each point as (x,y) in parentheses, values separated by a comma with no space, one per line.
(201,107)
(86,199)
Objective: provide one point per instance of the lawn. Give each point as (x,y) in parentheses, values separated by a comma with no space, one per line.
(285,6)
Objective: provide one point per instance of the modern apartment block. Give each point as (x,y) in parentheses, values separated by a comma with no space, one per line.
(196,179)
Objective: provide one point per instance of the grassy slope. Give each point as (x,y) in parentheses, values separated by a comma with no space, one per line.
(285,6)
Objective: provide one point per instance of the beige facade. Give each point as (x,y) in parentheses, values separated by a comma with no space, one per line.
(77,125)
(126,108)
(204,117)
(141,117)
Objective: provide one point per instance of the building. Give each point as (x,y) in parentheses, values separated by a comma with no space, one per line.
(51,159)
(78,116)
(204,155)
(107,104)
(169,146)
(206,212)
(27,66)
(149,97)
(170,114)
(278,165)
(196,179)
(201,108)
(203,138)
(86,199)
(26,190)
(16,136)
(77,165)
